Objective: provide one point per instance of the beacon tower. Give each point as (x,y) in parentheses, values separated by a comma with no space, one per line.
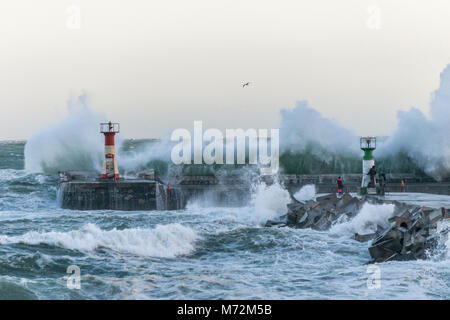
(110,169)
(367,144)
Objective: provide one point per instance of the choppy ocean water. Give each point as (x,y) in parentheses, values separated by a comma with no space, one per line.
(202,252)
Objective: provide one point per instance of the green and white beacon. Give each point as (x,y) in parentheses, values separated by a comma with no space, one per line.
(367,144)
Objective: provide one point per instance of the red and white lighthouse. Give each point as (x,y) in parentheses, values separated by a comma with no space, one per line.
(110,169)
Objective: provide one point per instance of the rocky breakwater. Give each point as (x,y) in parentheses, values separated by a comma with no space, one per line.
(410,233)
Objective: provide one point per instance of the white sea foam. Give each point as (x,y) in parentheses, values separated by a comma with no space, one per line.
(268,202)
(366,220)
(166,241)
(444,240)
(307,192)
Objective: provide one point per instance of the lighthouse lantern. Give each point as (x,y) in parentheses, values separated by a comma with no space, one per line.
(368,143)
(110,169)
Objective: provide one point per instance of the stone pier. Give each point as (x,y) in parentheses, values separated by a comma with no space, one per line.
(84,191)
(81,191)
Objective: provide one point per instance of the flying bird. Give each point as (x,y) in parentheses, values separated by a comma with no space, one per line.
(245,84)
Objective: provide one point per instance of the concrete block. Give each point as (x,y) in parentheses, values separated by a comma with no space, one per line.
(400,222)
(327,198)
(342,202)
(433,216)
(364,237)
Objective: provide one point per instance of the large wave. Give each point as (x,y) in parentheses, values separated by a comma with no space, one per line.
(72,144)
(309,144)
(366,220)
(165,241)
(303,126)
(268,202)
(307,192)
(426,139)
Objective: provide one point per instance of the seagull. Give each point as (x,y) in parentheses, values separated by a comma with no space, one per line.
(245,84)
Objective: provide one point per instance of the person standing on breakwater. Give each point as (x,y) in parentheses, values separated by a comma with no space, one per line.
(372,173)
(340,185)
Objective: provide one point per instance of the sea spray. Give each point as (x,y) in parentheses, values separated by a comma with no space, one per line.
(307,192)
(365,221)
(310,141)
(443,250)
(135,161)
(72,144)
(303,126)
(164,241)
(268,202)
(425,139)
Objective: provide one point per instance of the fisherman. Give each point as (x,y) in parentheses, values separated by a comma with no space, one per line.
(340,185)
(372,173)
(403,186)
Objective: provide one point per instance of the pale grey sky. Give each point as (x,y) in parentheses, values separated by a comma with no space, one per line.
(157,65)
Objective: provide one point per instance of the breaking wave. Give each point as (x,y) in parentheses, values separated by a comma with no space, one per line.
(366,220)
(72,144)
(307,192)
(444,239)
(164,241)
(426,139)
(268,202)
(309,143)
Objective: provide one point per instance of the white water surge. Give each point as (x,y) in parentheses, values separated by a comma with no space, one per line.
(366,220)
(167,241)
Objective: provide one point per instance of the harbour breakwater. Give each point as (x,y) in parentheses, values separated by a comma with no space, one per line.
(84,191)
(324,183)
(411,231)
(402,232)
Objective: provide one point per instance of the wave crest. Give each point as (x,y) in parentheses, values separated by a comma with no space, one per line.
(165,241)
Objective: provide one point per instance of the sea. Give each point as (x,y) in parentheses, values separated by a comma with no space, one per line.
(205,251)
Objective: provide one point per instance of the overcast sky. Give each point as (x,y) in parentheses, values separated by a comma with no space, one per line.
(157,65)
